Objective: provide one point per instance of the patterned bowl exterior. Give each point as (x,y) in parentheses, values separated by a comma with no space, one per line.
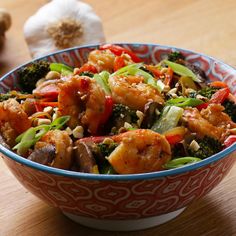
(119,197)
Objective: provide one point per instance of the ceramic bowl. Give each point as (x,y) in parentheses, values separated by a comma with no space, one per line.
(124,202)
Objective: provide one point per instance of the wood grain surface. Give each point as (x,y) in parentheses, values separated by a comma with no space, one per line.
(204,26)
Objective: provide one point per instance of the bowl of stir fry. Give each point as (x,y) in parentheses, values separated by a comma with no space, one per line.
(119,137)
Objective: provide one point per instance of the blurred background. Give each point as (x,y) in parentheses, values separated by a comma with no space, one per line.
(204,26)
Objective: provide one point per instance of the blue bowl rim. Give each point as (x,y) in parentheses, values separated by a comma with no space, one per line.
(143,176)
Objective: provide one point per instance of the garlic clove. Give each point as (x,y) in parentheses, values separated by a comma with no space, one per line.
(61,24)
(5,20)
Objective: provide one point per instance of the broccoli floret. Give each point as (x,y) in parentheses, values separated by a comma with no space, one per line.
(5,96)
(205,92)
(208,147)
(123,113)
(230,109)
(101,151)
(120,110)
(208,91)
(175,56)
(106,149)
(29,75)
(107,169)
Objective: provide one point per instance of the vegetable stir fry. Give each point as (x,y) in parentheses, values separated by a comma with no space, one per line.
(117,115)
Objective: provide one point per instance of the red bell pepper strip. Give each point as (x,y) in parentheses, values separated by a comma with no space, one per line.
(220,96)
(175,135)
(118,50)
(119,62)
(40,105)
(168,76)
(202,106)
(173,139)
(107,111)
(218,84)
(230,140)
(157,73)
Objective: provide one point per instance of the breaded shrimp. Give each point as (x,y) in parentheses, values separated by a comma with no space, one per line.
(139,151)
(215,114)
(13,120)
(84,100)
(133,92)
(209,122)
(102,60)
(197,124)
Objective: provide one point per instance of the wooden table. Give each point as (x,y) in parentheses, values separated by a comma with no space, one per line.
(205,26)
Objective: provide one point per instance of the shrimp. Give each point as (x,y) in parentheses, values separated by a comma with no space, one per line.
(133,92)
(210,121)
(84,100)
(63,148)
(102,60)
(139,151)
(13,120)
(215,115)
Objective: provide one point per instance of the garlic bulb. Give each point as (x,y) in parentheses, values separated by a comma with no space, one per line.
(62,24)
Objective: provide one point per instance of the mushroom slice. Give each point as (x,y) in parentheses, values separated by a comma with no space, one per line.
(84,158)
(43,155)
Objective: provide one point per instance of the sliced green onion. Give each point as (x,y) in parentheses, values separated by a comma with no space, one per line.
(18,138)
(59,122)
(102,80)
(128,70)
(34,134)
(135,69)
(23,147)
(40,131)
(132,128)
(169,119)
(184,102)
(61,68)
(27,140)
(182,70)
(182,161)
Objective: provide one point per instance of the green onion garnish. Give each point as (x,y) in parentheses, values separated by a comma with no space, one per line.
(182,70)
(102,80)
(61,68)
(182,161)
(134,69)
(34,134)
(184,102)
(59,122)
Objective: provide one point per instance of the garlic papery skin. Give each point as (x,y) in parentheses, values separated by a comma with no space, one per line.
(62,24)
